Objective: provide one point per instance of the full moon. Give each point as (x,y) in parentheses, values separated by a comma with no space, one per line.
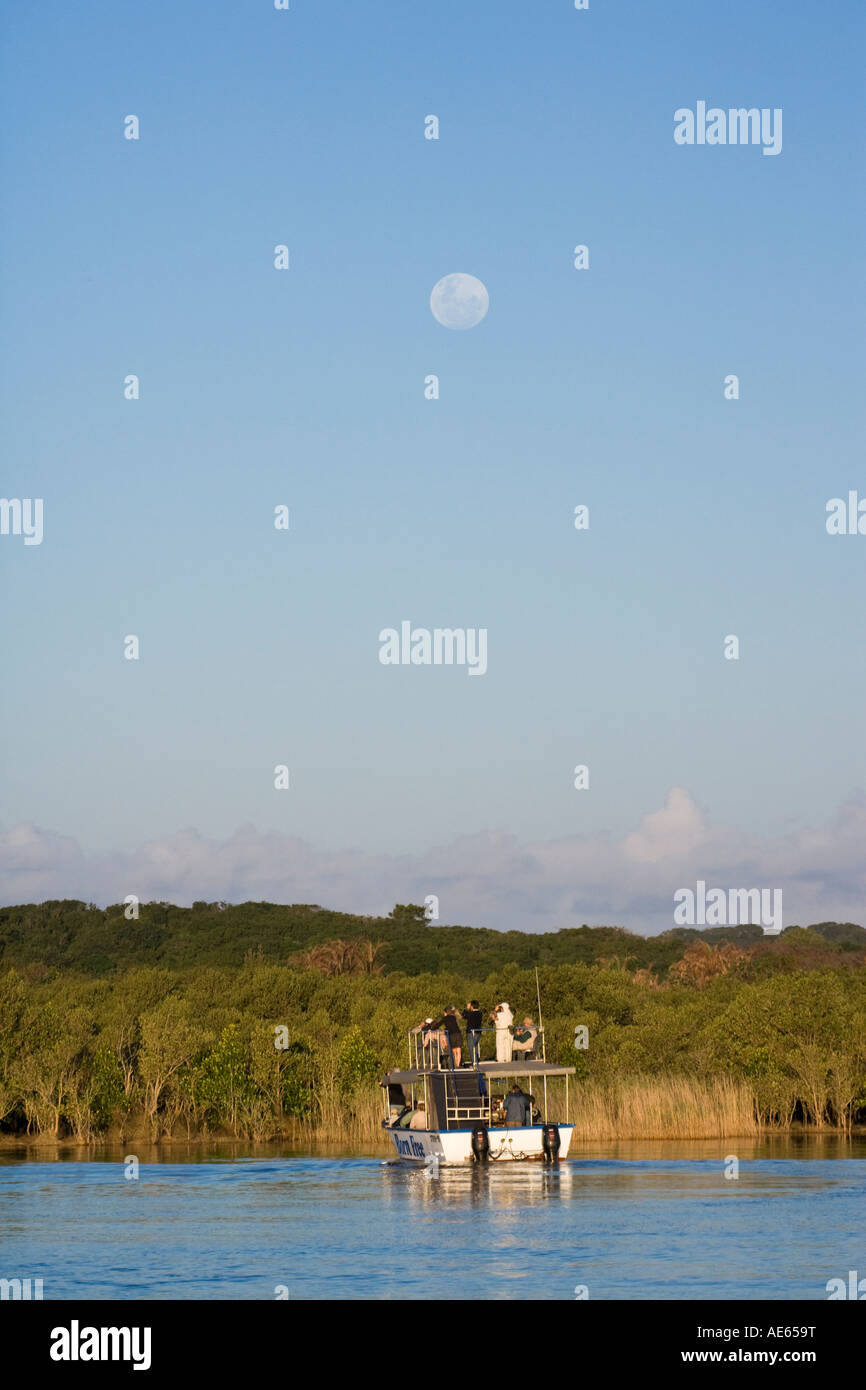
(459,301)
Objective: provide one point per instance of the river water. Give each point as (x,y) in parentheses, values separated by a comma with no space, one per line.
(618,1221)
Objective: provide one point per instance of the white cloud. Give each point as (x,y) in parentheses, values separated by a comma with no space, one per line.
(675,829)
(484,880)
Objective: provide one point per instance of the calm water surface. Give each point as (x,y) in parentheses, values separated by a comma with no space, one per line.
(629,1221)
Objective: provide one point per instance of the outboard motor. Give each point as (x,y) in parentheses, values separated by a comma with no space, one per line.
(480,1144)
(550,1143)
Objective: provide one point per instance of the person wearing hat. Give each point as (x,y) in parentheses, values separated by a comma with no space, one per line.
(502,1020)
(428,1040)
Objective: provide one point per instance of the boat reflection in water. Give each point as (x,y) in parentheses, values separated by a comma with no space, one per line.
(488,1185)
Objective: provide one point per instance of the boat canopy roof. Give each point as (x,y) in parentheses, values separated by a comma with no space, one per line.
(491,1069)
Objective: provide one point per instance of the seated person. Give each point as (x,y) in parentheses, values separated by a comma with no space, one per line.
(419,1119)
(525,1038)
(399,1106)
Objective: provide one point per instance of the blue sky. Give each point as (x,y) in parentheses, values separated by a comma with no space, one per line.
(305,387)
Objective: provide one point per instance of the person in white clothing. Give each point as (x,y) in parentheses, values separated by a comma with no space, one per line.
(503,1019)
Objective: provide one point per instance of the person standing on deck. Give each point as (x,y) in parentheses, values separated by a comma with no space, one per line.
(473,1017)
(451,1024)
(503,1019)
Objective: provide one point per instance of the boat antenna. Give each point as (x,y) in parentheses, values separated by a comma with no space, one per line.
(540,1026)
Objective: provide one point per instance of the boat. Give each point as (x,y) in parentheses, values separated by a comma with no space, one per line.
(465,1120)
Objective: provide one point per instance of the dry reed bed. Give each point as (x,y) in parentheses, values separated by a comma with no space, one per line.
(664,1108)
(627,1108)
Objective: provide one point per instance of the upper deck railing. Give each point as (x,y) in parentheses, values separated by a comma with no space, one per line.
(429,1048)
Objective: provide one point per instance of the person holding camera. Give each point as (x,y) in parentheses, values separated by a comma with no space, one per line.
(472,1017)
(502,1021)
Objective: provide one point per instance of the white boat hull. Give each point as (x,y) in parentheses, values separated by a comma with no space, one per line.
(455,1145)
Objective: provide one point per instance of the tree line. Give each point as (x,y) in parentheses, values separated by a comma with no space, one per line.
(97,941)
(266,1048)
